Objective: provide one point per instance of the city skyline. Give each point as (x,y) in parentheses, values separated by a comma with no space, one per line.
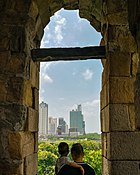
(63,85)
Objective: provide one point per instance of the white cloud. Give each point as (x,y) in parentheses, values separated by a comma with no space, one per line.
(87,74)
(47,78)
(54,33)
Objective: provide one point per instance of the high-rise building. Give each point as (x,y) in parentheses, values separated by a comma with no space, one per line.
(77,123)
(52,126)
(62,126)
(43,119)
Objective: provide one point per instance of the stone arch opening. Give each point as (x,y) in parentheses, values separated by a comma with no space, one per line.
(74,42)
(19,83)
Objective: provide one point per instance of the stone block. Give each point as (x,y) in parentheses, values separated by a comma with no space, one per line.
(117,60)
(123,146)
(135,63)
(119,18)
(44,12)
(8,167)
(120,167)
(32,120)
(28,96)
(35,93)
(31,164)
(118,36)
(13,117)
(4,60)
(104,96)
(119,117)
(36,142)
(15,89)
(21,144)
(104,144)
(105,119)
(105,73)
(34,74)
(121,90)
(3,89)
(124,167)
(105,166)
(116,6)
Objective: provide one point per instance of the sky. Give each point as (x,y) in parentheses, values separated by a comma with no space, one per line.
(66,84)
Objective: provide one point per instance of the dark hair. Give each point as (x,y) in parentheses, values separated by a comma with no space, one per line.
(63,148)
(77,149)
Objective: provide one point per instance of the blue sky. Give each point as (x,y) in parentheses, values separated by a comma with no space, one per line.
(65,84)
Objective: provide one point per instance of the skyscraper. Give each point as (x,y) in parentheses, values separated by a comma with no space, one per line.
(77,120)
(43,119)
(62,126)
(52,126)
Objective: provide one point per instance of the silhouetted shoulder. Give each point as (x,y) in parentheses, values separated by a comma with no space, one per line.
(69,170)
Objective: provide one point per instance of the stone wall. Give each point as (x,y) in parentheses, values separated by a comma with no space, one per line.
(22,24)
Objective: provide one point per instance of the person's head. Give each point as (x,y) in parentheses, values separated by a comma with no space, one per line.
(63,148)
(77,151)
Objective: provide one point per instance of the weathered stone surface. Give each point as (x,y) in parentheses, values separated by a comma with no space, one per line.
(137,101)
(105,166)
(124,167)
(121,90)
(123,146)
(91,10)
(34,74)
(116,6)
(117,60)
(55,5)
(120,167)
(21,144)
(14,10)
(71,5)
(28,96)
(31,165)
(135,63)
(36,142)
(105,120)
(104,144)
(35,98)
(118,36)
(44,11)
(15,167)
(14,88)
(32,120)
(13,117)
(104,95)
(119,117)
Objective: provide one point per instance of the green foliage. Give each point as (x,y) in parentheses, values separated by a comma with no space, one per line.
(89,136)
(48,153)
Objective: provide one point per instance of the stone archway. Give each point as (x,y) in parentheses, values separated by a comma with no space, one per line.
(22,25)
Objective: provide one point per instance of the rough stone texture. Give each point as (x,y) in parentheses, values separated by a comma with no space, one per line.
(31,164)
(105,123)
(12,167)
(32,120)
(13,117)
(104,94)
(121,90)
(120,167)
(123,146)
(34,74)
(21,144)
(117,62)
(120,118)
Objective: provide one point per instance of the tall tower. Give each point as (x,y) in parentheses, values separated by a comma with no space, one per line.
(77,120)
(52,129)
(43,119)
